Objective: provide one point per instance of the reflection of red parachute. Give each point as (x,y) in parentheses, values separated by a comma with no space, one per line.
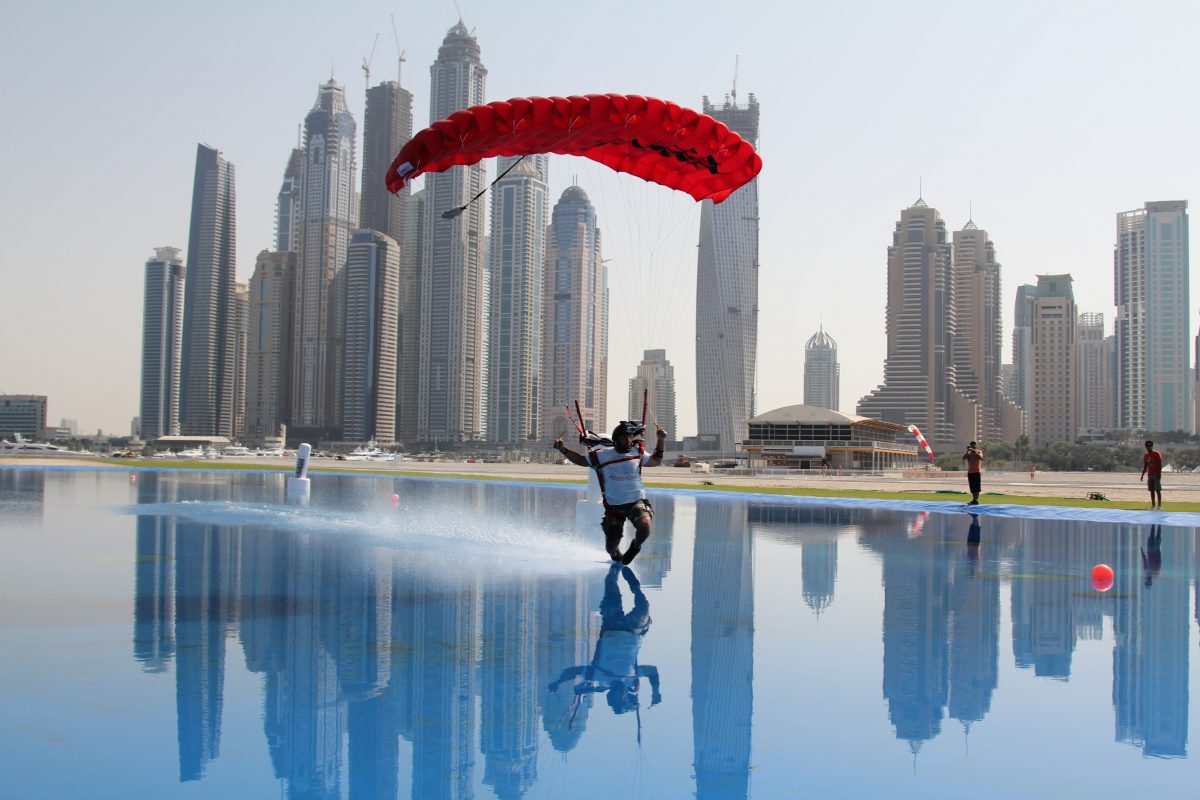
(915,431)
(653,139)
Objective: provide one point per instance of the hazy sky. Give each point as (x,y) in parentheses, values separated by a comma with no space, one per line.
(1046,118)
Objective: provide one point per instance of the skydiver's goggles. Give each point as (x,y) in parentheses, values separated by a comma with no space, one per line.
(634,430)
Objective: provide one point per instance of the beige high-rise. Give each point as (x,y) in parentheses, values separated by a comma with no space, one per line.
(1055,403)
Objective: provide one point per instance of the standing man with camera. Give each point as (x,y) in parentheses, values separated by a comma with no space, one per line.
(974,459)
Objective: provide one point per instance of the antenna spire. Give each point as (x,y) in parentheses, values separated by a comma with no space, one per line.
(733,94)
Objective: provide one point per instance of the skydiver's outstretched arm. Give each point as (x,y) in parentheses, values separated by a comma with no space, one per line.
(570,455)
(569,673)
(650,672)
(656,458)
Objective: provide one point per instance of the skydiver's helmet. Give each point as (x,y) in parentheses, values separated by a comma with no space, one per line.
(635,430)
(622,697)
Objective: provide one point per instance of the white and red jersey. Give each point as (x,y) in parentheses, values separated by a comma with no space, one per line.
(620,474)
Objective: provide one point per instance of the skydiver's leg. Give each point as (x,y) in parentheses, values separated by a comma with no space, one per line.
(642,524)
(613,526)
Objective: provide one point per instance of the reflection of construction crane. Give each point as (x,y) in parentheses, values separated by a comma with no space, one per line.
(366,65)
(400,57)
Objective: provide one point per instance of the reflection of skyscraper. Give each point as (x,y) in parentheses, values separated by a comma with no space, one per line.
(818,572)
(1043,627)
(22,494)
(444,691)
(203,568)
(508,678)
(154,580)
(727,297)
(1150,652)
(974,667)
(722,649)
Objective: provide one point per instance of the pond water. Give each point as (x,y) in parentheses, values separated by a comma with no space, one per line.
(187,634)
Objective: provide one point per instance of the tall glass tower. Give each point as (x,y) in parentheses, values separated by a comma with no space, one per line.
(520,206)
(209,355)
(1150,264)
(575,318)
(656,380)
(162,343)
(326,219)
(822,373)
(727,297)
(450,405)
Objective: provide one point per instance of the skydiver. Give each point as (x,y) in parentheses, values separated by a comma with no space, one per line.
(619,472)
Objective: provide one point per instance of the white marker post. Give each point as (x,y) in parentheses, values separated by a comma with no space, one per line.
(297,485)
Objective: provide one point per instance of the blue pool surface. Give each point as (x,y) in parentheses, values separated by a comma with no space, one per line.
(188,635)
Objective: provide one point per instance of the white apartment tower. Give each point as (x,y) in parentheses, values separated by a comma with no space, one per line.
(372,289)
(822,373)
(575,318)
(520,210)
(450,381)
(162,343)
(1020,391)
(1150,264)
(727,297)
(1053,417)
(326,218)
(655,380)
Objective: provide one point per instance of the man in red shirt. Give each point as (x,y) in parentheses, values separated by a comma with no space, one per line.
(1152,466)
(974,459)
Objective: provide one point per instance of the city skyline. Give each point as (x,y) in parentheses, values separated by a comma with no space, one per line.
(826,201)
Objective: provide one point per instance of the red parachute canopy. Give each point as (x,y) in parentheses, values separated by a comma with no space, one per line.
(653,139)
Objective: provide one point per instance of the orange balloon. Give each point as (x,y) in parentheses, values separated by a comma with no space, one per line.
(1102,577)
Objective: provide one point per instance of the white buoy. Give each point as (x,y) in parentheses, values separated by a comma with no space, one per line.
(297,485)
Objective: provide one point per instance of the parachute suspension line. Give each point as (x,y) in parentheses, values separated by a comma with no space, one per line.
(451,213)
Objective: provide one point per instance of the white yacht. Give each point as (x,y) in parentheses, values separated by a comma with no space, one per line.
(369,452)
(235,450)
(22,446)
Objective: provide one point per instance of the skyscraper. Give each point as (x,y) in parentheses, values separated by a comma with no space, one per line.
(1094,377)
(977,338)
(162,343)
(518,256)
(919,386)
(452,346)
(1021,390)
(287,205)
(408,346)
(727,297)
(1150,263)
(241,307)
(372,276)
(387,126)
(1053,417)
(822,373)
(269,343)
(209,353)
(656,378)
(575,317)
(327,216)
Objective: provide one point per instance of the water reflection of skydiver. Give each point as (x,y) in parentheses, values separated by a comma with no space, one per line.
(1152,555)
(614,668)
(973,535)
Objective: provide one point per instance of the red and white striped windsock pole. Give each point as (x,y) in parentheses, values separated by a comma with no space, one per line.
(915,431)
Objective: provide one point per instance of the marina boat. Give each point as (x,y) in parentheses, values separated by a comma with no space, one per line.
(369,452)
(22,446)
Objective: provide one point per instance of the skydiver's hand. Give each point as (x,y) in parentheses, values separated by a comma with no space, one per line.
(660,432)
(558,444)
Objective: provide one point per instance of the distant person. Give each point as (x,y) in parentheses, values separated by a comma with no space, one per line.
(1152,555)
(614,668)
(1031,472)
(619,471)
(974,459)
(1152,467)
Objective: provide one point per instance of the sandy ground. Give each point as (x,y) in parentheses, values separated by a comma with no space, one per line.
(1177,487)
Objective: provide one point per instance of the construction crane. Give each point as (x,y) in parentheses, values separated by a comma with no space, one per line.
(400,57)
(366,65)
